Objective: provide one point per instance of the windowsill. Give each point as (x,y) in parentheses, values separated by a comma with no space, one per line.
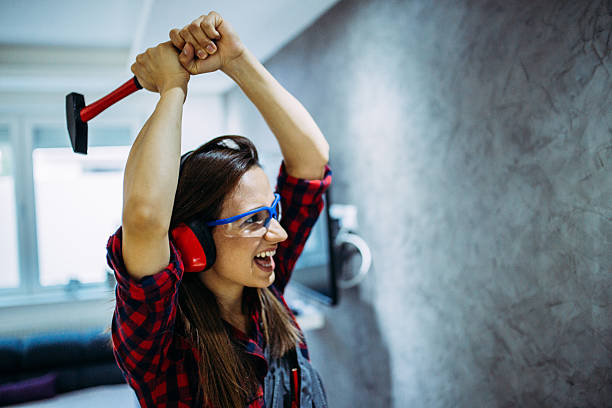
(55,310)
(55,296)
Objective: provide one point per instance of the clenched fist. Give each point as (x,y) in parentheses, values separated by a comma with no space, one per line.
(158,69)
(209,43)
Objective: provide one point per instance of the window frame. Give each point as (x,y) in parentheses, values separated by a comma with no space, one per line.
(30,291)
(14,129)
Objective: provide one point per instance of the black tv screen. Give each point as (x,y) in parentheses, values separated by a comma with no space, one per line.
(315,271)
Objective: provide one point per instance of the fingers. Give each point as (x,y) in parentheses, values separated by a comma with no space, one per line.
(203,44)
(200,33)
(180,38)
(197,66)
(210,23)
(141,74)
(158,66)
(176,39)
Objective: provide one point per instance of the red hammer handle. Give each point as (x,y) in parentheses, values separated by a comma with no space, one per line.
(94,109)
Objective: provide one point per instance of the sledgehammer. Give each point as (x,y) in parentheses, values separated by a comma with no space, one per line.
(77,114)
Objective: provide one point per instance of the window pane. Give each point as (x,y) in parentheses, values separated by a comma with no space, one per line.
(8,215)
(78,203)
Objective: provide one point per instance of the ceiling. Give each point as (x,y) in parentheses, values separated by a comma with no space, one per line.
(72,45)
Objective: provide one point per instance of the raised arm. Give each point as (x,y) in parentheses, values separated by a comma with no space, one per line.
(147,267)
(151,172)
(210,43)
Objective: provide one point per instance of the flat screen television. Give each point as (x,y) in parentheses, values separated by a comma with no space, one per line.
(315,271)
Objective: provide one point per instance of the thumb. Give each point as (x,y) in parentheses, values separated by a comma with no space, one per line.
(186,58)
(198,66)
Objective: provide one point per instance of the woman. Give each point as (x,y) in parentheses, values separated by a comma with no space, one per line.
(220,334)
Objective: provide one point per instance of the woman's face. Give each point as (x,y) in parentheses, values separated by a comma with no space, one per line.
(235,264)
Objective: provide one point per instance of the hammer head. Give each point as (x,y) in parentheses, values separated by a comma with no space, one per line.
(76,127)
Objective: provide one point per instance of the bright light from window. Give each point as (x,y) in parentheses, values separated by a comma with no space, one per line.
(78,206)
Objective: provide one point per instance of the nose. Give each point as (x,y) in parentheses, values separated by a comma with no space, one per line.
(275,232)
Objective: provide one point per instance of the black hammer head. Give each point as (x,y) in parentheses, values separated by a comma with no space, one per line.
(76,127)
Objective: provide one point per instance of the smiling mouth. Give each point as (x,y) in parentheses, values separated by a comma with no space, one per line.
(266,264)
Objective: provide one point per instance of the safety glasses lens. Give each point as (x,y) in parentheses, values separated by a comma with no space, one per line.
(255,224)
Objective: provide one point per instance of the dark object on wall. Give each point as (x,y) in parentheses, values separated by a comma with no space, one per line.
(316,270)
(43,365)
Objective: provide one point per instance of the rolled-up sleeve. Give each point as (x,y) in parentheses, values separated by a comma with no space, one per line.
(145,312)
(302,202)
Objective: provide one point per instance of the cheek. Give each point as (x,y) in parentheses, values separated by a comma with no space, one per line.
(234,252)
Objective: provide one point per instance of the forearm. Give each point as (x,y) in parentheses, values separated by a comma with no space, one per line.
(302,144)
(151,172)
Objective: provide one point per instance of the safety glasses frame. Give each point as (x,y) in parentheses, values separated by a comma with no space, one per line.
(272,213)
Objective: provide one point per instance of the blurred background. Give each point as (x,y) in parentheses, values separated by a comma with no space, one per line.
(474,139)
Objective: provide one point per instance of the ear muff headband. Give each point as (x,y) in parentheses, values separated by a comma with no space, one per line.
(194,241)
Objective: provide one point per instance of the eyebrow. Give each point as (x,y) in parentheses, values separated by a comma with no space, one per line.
(255,208)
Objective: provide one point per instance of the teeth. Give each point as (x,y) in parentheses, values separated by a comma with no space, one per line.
(265,254)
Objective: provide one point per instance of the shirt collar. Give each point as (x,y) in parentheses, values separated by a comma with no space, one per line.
(252,343)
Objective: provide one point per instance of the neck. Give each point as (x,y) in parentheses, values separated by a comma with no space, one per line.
(228,294)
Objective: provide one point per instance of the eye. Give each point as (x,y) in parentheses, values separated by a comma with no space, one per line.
(254,219)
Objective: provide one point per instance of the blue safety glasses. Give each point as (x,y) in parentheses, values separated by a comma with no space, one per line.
(252,223)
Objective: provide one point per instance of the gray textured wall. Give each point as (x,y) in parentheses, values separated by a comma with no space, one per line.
(475,138)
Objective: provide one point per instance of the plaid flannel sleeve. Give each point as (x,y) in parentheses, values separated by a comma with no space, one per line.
(302,202)
(145,311)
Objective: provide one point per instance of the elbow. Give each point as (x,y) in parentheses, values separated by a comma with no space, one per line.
(311,163)
(316,168)
(144,219)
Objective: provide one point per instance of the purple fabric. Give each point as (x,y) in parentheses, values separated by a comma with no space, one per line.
(28,390)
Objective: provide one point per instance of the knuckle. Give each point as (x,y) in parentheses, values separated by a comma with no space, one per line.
(207,25)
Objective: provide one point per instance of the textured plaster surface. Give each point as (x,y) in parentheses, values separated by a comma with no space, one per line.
(475,138)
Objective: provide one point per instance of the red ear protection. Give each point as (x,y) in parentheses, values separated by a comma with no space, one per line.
(195,243)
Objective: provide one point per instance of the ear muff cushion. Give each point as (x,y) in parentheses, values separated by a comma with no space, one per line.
(207,242)
(195,243)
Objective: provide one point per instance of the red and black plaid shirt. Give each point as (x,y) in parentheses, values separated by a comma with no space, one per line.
(159,363)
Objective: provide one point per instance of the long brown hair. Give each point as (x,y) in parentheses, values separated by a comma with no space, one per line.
(226,378)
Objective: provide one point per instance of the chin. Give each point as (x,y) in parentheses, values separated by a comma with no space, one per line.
(265,282)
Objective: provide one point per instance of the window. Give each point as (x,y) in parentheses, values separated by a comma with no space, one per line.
(8,213)
(78,202)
